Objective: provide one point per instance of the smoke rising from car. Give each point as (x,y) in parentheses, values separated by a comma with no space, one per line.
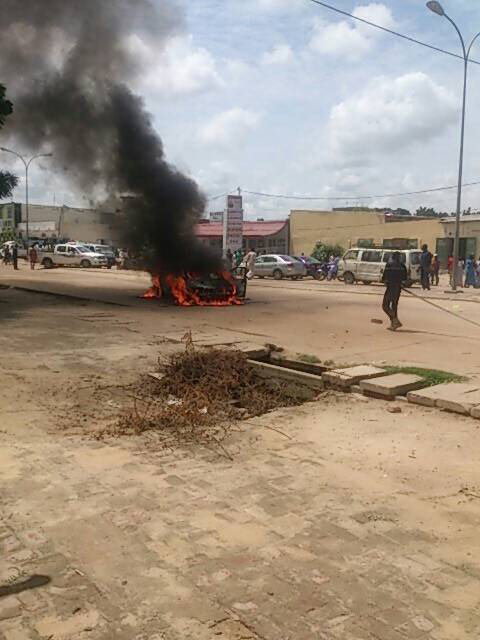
(70,67)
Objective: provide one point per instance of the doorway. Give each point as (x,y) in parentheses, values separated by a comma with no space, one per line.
(466,247)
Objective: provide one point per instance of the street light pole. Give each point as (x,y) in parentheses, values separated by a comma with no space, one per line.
(437,8)
(27,166)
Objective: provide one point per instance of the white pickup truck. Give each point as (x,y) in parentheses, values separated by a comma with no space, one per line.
(67,255)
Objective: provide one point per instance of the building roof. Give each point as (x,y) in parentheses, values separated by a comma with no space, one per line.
(471,218)
(251,229)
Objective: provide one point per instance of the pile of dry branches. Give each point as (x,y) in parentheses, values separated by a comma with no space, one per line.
(199,396)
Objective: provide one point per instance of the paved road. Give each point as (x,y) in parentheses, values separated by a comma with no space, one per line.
(329,320)
(347,522)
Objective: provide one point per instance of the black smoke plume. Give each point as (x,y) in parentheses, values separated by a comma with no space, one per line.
(69,66)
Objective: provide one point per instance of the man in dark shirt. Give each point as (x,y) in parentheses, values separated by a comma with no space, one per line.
(425,267)
(394,276)
(15,256)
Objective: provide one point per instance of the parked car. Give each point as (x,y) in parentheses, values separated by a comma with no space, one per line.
(21,250)
(72,255)
(106,250)
(278,267)
(367,265)
(313,266)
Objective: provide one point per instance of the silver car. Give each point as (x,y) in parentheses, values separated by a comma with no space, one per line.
(278,267)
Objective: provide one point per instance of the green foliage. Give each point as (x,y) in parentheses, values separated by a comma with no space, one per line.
(429,212)
(323,252)
(432,376)
(6,107)
(306,357)
(8,182)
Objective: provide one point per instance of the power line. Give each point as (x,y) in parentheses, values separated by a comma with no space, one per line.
(370,197)
(390,31)
(222,195)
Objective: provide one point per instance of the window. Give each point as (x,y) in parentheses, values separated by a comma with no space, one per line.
(387,256)
(351,255)
(365,242)
(372,256)
(259,260)
(61,249)
(272,242)
(415,257)
(269,259)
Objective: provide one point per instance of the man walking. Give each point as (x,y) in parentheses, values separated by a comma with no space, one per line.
(15,257)
(33,255)
(425,267)
(394,276)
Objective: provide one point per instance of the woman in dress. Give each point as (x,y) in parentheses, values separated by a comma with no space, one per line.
(470,271)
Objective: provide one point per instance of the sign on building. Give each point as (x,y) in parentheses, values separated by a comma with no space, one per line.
(216,216)
(233,224)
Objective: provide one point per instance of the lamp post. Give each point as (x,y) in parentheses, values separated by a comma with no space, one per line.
(27,164)
(437,8)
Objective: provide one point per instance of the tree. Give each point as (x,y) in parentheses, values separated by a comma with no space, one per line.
(322,252)
(429,212)
(8,181)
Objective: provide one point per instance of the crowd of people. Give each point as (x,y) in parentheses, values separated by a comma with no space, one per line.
(10,256)
(468,272)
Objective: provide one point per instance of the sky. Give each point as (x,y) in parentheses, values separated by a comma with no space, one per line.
(288,97)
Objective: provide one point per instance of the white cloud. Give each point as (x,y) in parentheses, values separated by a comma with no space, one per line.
(278,55)
(351,39)
(279,5)
(179,68)
(389,115)
(228,126)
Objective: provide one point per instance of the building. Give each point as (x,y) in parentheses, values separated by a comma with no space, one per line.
(361,228)
(263,236)
(469,237)
(10,216)
(68,223)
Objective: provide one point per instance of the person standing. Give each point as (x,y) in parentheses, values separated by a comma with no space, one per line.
(15,257)
(229,258)
(33,255)
(450,269)
(470,275)
(425,266)
(6,255)
(435,273)
(394,275)
(250,263)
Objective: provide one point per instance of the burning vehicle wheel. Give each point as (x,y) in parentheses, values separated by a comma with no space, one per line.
(85,264)
(277,274)
(47,263)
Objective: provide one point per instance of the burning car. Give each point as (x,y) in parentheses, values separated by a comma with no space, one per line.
(189,289)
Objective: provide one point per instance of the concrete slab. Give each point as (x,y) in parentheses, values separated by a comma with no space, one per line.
(347,377)
(475,412)
(252,350)
(447,392)
(302,384)
(397,384)
(458,398)
(292,362)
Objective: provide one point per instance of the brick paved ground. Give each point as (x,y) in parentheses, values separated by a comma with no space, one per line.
(353,525)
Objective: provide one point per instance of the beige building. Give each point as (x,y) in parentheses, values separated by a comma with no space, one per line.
(361,228)
(86,225)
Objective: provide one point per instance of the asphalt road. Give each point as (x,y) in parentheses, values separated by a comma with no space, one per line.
(329,320)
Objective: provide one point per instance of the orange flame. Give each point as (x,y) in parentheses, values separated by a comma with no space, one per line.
(186,298)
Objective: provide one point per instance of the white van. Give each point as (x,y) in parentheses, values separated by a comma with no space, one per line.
(367,265)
